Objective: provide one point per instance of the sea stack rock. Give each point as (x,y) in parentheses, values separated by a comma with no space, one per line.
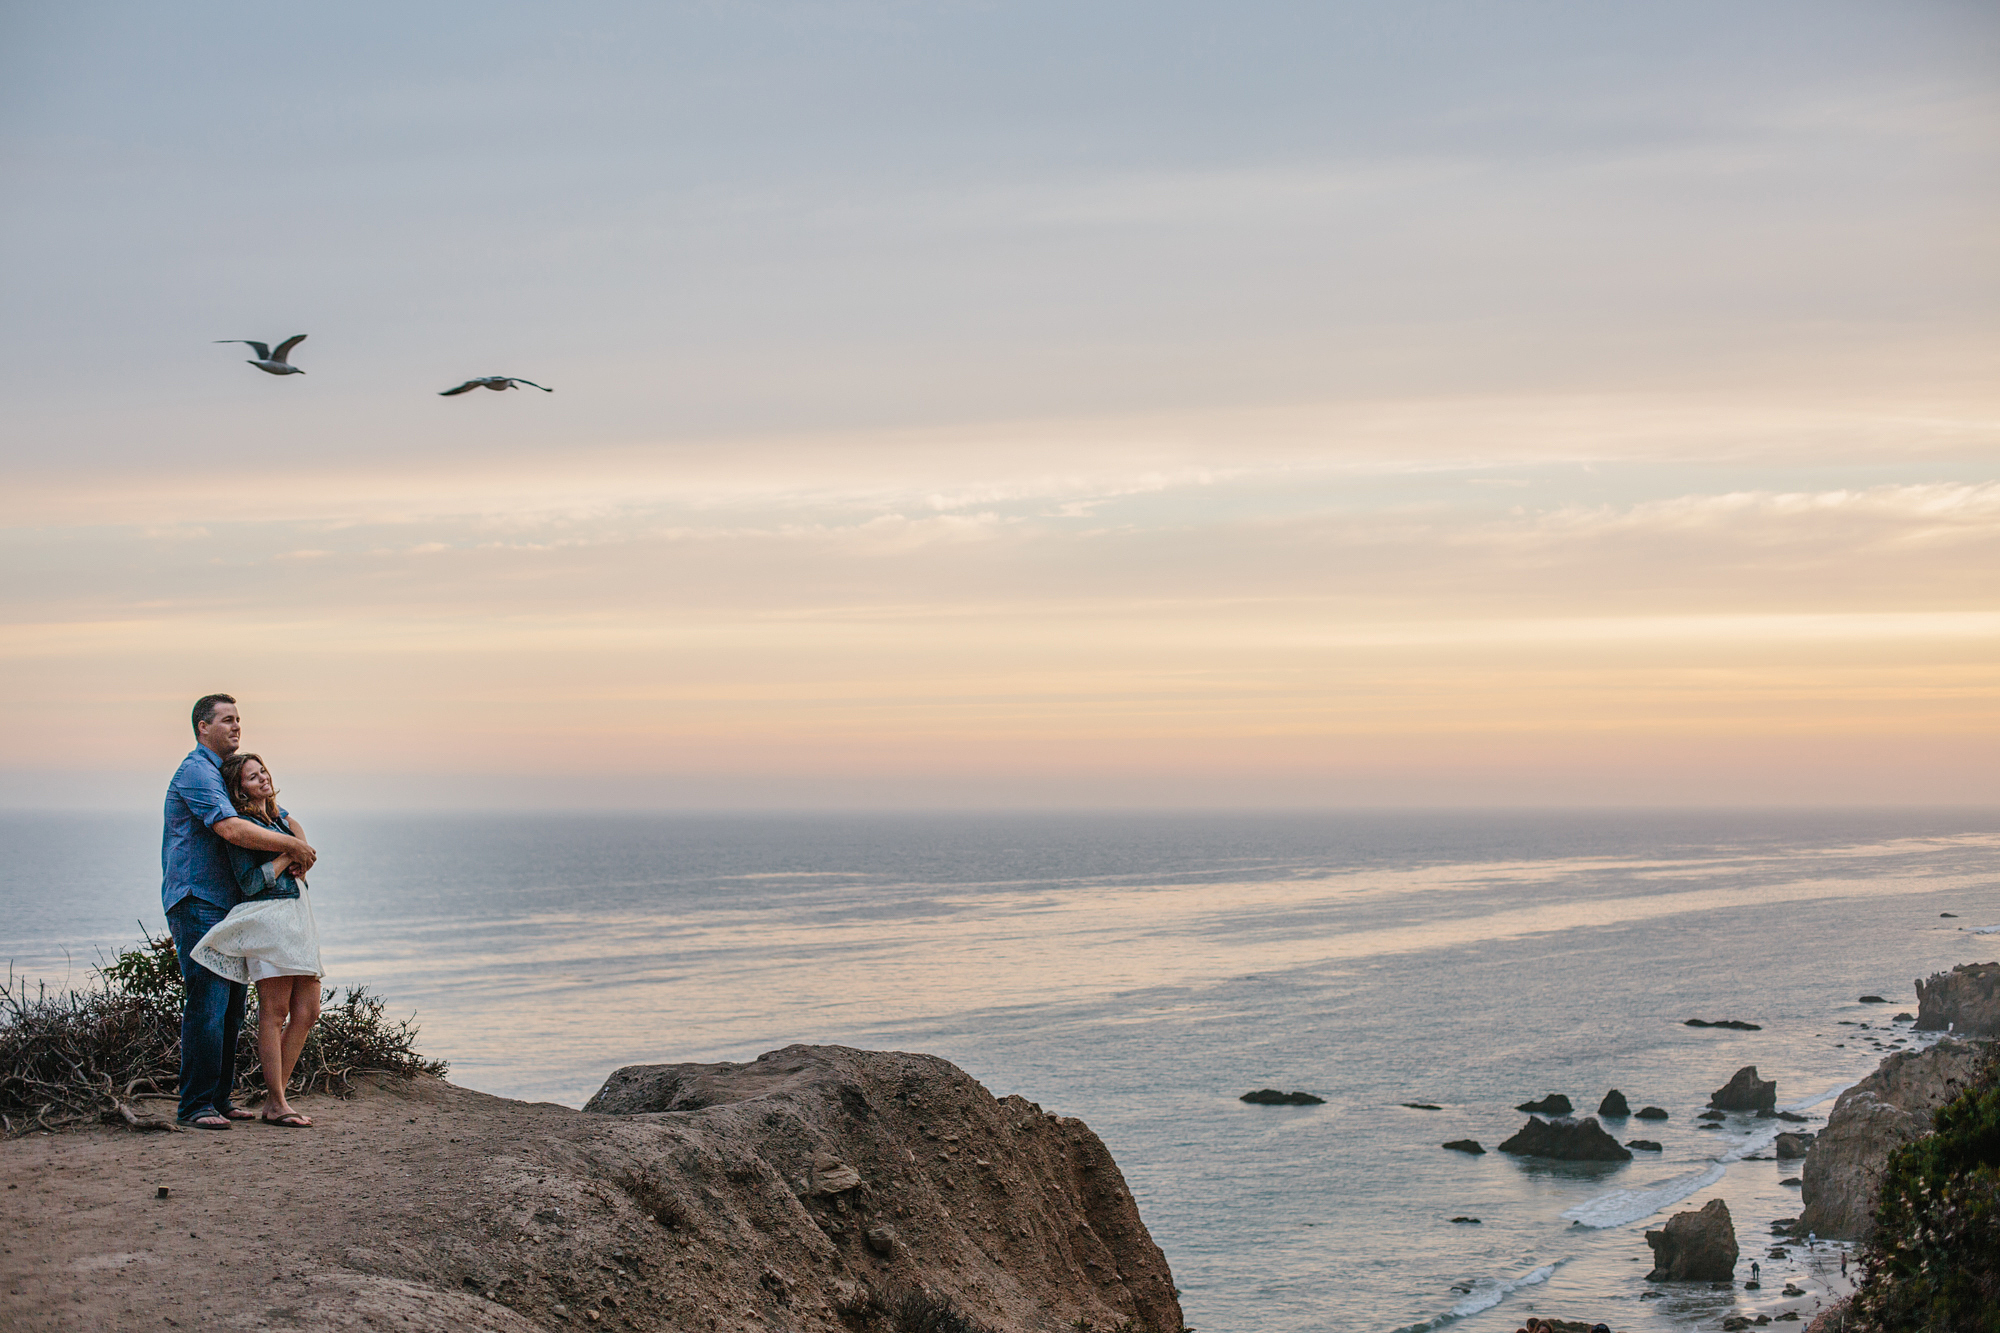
(1583,1141)
(1695,1247)
(1652,1113)
(1745,1092)
(1614,1104)
(1878,1115)
(1964,1001)
(1553,1104)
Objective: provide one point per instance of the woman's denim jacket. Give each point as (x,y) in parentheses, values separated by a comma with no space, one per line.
(253,869)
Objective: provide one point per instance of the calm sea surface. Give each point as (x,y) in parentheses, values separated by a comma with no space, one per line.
(1143,971)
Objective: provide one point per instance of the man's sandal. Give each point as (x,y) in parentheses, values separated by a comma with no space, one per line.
(289,1120)
(201,1121)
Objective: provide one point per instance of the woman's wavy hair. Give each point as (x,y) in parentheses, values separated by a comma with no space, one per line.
(232,780)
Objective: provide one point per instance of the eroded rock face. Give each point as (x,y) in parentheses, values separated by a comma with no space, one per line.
(1893,1105)
(1964,1001)
(1581,1141)
(1695,1247)
(1745,1092)
(900,1171)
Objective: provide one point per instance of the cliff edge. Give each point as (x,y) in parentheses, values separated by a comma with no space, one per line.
(816,1188)
(1892,1106)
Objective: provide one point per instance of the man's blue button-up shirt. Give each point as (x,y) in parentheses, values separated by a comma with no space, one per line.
(193,857)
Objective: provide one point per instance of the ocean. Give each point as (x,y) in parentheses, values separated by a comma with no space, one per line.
(1143,971)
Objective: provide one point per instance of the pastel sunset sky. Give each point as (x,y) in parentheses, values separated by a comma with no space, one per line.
(1007,404)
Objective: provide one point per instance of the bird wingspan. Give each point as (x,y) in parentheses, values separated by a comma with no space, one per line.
(263,352)
(463,388)
(532,385)
(286,346)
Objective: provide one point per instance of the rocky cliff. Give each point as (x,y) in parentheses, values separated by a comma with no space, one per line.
(1964,1001)
(899,1171)
(814,1190)
(1892,1106)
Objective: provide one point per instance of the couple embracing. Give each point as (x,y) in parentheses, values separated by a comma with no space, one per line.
(232,880)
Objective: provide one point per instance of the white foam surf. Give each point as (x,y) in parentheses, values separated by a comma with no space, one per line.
(1619,1208)
(1486,1293)
(1622,1207)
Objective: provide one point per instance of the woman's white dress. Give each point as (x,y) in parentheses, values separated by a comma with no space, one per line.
(263,938)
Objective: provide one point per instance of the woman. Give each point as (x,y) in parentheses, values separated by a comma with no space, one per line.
(268,938)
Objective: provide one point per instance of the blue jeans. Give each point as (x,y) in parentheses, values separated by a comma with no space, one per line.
(210,1015)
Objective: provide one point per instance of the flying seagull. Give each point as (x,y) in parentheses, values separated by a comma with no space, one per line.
(492,382)
(272,363)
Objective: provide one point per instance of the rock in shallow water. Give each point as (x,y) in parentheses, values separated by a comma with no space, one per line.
(1644,1145)
(1614,1103)
(1272,1097)
(1583,1141)
(1652,1113)
(1553,1104)
(1745,1092)
(1695,1246)
(1466,1145)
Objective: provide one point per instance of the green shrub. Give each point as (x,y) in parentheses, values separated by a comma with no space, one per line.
(1934,1264)
(71,1057)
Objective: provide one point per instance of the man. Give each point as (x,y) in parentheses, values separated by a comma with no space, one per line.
(197,889)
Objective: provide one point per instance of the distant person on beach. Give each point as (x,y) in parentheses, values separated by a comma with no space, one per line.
(269,937)
(197,891)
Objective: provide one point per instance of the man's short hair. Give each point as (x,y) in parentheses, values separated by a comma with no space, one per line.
(204,709)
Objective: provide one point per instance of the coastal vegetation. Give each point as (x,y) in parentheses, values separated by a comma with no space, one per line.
(1934,1261)
(100,1053)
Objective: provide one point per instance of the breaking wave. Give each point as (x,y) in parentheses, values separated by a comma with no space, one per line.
(1619,1208)
(1486,1293)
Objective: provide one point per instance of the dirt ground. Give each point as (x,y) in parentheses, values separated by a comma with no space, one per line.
(255,1220)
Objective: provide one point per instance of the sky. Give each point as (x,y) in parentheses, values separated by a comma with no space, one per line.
(968,405)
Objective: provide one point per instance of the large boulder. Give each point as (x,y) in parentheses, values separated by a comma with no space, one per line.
(1745,1092)
(1881,1113)
(1567,1141)
(1614,1103)
(1964,1001)
(1793,1145)
(1695,1247)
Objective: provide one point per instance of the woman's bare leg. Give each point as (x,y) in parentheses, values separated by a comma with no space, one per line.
(298,1024)
(274,1006)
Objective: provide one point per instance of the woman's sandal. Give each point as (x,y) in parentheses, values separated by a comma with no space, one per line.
(289,1120)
